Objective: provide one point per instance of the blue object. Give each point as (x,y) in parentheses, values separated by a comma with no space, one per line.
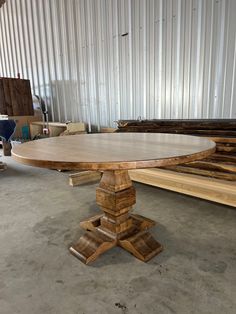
(25,132)
(7,129)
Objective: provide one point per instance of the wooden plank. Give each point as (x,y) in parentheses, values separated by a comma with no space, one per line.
(227,148)
(21,97)
(108,130)
(6,148)
(17,97)
(3,166)
(222,157)
(56,124)
(211,189)
(7,95)
(203,172)
(84,177)
(196,132)
(215,166)
(222,139)
(3,108)
(210,124)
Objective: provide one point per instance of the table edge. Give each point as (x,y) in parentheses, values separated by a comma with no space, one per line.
(126,165)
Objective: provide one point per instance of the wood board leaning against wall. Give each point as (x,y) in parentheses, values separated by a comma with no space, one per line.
(15,97)
(212,178)
(2,2)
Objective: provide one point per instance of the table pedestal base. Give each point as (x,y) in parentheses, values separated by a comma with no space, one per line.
(116,226)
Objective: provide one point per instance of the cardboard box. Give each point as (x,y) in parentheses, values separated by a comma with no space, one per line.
(23,125)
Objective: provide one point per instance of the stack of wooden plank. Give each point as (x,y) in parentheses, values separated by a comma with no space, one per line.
(221,165)
(199,127)
(219,168)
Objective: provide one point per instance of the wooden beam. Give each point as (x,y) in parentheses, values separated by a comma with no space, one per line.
(220,191)
(3,166)
(203,172)
(84,177)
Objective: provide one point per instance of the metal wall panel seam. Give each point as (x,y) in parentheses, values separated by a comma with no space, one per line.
(65,46)
(126,59)
(159,72)
(130,34)
(226,59)
(183,67)
(83,43)
(218,55)
(38,86)
(219,59)
(46,45)
(16,35)
(88,107)
(145,59)
(60,24)
(118,60)
(21,41)
(169,52)
(201,62)
(9,45)
(95,65)
(195,100)
(12,39)
(164,49)
(175,99)
(190,58)
(30,59)
(3,45)
(107,61)
(77,69)
(233,79)
(40,44)
(187,54)
(210,61)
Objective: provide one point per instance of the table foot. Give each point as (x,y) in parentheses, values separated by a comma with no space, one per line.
(116,225)
(91,245)
(142,245)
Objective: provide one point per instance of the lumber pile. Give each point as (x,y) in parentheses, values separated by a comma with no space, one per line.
(211,189)
(212,178)
(199,127)
(221,165)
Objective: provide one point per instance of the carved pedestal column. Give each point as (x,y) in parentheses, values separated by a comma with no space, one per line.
(116,226)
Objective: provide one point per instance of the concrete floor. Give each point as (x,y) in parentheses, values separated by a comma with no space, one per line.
(39,217)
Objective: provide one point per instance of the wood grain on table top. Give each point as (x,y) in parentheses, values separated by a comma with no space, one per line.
(112,151)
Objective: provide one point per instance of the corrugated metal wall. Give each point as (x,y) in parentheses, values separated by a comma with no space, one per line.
(104,60)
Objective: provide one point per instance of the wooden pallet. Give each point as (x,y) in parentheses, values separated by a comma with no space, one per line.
(220,191)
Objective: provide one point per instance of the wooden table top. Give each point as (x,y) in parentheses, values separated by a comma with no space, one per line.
(112,151)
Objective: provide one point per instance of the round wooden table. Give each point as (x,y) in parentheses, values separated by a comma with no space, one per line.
(114,154)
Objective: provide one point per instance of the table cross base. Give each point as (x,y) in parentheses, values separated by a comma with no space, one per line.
(116,226)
